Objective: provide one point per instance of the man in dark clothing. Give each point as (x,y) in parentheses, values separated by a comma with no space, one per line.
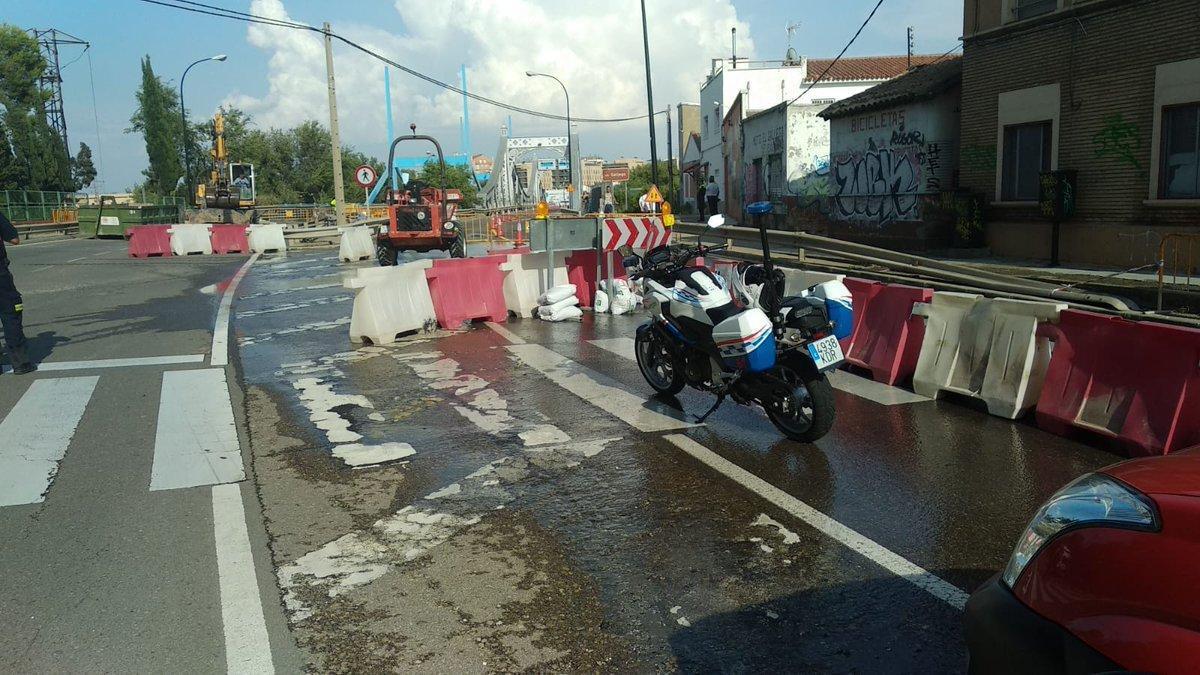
(700,204)
(11,304)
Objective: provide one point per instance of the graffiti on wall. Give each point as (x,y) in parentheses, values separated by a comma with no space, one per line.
(880,185)
(1118,139)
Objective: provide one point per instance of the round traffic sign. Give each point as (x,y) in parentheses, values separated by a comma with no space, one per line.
(364,176)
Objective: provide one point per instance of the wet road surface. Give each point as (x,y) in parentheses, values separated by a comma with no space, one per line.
(507,499)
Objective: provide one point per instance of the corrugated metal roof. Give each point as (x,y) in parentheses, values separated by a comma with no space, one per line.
(920,83)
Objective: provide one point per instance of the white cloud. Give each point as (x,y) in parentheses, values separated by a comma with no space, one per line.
(594,48)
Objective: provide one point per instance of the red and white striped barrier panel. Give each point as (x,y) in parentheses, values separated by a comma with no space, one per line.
(643,232)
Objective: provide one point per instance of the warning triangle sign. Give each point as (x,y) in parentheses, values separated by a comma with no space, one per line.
(654,196)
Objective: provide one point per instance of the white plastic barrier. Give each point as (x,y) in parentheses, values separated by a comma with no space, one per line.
(189,238)
(526,277)
(356,244)
(986,349)
(796,281)
(266,237)
(390,300)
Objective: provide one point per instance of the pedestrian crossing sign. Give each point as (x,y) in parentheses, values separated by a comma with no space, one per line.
(654,196)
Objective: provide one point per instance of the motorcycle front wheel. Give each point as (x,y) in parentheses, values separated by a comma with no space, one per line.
(658,363)
(804,410)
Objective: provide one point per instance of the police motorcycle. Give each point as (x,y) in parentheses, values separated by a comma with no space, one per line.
(774,354)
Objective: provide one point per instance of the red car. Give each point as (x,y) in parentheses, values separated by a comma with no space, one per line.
(1105,577)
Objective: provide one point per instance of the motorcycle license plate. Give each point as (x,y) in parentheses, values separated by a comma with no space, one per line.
(826,352)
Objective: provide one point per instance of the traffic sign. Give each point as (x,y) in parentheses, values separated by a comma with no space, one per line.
(639,232)
(364,176)
(654,196)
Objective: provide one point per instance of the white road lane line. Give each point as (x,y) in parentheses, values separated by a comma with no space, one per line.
(247,648)
(220,341)
(911,572)
(122,363)
(35,435)
(640,412)
(848,382)
(196,441)
(506,333)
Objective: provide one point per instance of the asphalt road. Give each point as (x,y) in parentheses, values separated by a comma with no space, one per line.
(104,572)
(551,516)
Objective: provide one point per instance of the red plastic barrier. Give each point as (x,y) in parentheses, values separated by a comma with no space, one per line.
(887,337)
(466,289)
(581,271)
(230,238)
(1136,382)
(147,241)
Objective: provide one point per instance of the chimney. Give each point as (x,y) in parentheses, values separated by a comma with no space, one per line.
(733,44)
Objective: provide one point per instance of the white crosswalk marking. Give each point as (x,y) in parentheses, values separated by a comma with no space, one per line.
(639,412)
(35,435)
(196,441)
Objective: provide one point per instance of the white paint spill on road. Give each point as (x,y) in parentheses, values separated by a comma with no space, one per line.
(360,557)
(601,391)
(320,399)
(220,342)
(247,647)
(885,558)
(196,441)
(848,382)
(764,520)
(358,455)
(292,306)
(35,435)
(482,406)
(302,328)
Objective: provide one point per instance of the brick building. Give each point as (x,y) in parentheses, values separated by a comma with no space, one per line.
(1108,88)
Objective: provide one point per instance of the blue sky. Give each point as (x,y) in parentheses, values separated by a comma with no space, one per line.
(279,75)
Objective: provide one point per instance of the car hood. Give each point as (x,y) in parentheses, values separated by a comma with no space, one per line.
(1174,474)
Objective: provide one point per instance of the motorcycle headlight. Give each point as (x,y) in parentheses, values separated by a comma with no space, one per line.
(1094,500)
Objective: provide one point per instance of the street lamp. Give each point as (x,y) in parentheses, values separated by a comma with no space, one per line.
(187,144)
(570,159)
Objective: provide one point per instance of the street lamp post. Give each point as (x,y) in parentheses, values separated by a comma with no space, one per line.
(570,159)
(187,144)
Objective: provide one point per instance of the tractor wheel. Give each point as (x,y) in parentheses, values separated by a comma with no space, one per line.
(458,248)
(385,254)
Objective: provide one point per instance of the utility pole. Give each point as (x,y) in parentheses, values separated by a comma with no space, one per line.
(670,163)
(650,100)
(335,139)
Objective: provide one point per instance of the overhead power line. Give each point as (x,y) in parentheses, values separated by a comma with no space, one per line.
(840,54)
(214,10)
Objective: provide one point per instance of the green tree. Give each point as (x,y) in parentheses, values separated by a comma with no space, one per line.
(639,183)
(83,171)
(157,119)
(456,178)
(33,156)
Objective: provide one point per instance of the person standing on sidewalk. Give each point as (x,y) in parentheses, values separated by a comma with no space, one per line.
(11,306)
(700,203)
(713,194)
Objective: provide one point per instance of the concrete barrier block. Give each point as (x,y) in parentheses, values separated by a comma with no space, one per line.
(984,348)
(357,243)
(526,277)
(191,238)
(389,301)
(267,237)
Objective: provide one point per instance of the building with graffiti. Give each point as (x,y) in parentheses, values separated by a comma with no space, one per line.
(1106,89)
(892,166)
(785,151)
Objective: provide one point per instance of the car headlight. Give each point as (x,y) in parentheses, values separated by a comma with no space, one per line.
(1093,500)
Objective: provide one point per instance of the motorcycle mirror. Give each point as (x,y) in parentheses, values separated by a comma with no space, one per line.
(717,220)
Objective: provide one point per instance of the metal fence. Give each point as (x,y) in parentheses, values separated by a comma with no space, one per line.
(37,206)
(1178,262)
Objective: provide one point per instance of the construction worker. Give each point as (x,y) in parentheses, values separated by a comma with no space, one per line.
(11,304)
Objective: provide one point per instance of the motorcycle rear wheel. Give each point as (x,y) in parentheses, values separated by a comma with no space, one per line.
(659,365)
(806,411)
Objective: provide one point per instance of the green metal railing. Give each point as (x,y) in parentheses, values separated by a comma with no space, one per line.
(35,206)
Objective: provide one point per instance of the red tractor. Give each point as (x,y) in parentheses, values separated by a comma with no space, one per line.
(420,217)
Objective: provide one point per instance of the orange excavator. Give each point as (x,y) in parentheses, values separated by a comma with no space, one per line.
(230,185)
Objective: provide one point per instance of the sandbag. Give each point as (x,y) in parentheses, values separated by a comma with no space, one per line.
(572,312)
(556,293)
(600,302)
(561,304)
